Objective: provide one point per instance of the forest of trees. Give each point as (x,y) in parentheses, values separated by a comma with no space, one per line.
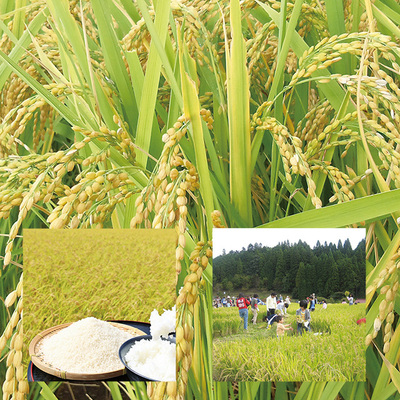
(295,269)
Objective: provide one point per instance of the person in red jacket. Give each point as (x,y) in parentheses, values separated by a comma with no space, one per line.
(242,303)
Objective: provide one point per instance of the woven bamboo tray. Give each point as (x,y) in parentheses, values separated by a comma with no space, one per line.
(38,360)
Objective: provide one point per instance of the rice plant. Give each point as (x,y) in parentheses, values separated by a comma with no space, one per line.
(200,114)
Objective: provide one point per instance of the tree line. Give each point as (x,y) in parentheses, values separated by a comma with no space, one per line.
(295,269)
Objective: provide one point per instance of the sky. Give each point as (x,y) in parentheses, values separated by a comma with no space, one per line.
(235,239)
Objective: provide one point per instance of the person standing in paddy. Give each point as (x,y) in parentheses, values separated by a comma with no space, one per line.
(287,304)
(271,305)
(303,318)
(254,307)
(351,300)
(312,303)
(242,303)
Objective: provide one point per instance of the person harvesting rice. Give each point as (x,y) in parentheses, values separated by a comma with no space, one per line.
(281,328)
(280,307)
(303,318)
(242,303)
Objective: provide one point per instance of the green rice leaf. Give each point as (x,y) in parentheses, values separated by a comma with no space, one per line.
(5,7)
(335,16)
(287,39)
(392,11)
(390,251)
(47,96)
(21,45)
(239,119)
(344,214)
(19,18)
(383,18)
(70,32)
(192,110)
(46,392)
(115,391)
(394,373)
(161,48)
(114,62)
(150,87)
(130,8)
(331,390)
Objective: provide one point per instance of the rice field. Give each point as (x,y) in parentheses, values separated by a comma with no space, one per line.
(199,115)
(337,354)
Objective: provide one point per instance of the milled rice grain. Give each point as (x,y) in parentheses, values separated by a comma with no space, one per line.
(88,346)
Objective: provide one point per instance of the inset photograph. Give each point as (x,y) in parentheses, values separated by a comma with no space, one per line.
(99,305)
(289,305)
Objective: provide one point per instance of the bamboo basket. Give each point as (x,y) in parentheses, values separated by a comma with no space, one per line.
(39,361)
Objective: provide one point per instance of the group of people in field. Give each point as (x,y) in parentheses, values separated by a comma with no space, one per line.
(225,301)
(276,309)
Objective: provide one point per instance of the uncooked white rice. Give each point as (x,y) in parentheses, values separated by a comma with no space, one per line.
(88,346)
(154,359)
